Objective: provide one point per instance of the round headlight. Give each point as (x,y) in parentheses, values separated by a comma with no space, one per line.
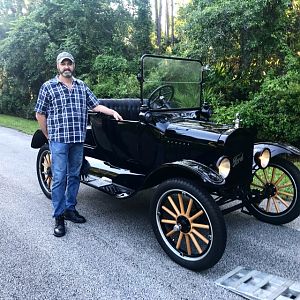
(262,158)
(224,166)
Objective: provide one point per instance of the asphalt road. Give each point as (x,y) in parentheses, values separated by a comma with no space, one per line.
(115,254)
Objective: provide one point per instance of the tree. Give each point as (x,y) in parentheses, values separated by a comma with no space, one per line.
(244,40)
(10,10)
(27,54)
(142,28)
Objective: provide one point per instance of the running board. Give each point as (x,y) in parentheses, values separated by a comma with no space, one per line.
(256,285)
(106,185)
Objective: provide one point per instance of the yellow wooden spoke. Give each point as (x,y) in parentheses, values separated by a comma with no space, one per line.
(198,234)
(166,221)
(276,205)
(49,181)
(282,201)
(279,179)
(258,177)
(47,158)
(181,204)
(188,244)
(196,243)
(179,240)
(195,216)
(285,193)
(268,205)
(203,226)
(173,205)
(188,211)
(284,186)
(273,174)
(169,212)
(171,232)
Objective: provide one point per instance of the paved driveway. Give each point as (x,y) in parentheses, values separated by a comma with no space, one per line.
(115,254)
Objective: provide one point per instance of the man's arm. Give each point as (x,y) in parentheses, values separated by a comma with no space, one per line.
(42,120)
(105,110)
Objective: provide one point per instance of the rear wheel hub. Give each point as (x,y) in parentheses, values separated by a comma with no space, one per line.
(270,190)
(184,223)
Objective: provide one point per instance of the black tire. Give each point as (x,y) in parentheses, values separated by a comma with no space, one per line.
(276,192)
(43,170)
(188,224)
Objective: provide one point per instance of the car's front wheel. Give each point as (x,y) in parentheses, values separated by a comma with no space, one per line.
(276,192)
(188,224)
(43,169)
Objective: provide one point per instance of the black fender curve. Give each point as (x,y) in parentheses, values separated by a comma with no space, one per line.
(185,168)
(38,139)
(277,149)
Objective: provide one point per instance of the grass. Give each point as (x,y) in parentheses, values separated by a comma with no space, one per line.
(23,125)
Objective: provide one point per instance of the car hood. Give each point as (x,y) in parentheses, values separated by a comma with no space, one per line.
(200,131)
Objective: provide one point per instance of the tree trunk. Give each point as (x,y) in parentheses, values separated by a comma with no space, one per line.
(167,22)
(172,23)
(159,25)
(157,7)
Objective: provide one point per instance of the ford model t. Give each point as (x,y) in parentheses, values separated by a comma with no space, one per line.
(200,170)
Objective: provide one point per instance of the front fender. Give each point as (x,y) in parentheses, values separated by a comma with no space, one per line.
(277,149)
(188,169)
(38,139)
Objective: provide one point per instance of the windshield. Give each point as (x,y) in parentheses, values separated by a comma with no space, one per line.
(171,82)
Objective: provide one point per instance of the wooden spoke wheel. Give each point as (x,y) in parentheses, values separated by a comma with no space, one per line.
(276,192)
(188,224)
(43,168)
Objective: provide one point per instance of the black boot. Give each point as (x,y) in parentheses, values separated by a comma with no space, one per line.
(74,216)
(59,229)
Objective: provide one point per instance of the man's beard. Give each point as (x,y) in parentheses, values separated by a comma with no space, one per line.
(67,74)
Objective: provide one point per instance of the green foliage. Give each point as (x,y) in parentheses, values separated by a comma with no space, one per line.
(243,41)
(111,77)
(87,29)
(274,111)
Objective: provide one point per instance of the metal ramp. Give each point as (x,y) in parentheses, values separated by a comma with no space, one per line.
(252,284)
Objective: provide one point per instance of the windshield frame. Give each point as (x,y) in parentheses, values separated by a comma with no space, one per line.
(141,77)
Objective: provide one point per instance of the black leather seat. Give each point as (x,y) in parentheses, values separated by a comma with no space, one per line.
(128,108)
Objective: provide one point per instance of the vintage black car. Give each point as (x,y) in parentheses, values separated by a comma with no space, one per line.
(198,170)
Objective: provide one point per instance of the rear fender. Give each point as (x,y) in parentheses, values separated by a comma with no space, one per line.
(277,149)
(38,139)
(188,169)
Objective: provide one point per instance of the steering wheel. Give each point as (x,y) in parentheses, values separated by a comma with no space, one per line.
(161,97)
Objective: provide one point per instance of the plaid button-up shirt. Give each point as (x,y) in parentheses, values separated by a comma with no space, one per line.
(65,109)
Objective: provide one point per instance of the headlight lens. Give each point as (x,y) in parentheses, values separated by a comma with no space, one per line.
(262,158)
(224,166)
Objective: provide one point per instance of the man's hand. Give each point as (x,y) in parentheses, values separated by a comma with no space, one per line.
(117,116)
(42,120)
(108,111)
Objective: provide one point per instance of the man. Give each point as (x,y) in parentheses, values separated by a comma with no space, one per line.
(61,111)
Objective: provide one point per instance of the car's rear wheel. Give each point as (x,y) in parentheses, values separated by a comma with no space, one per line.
(43,169)
(188,224)
(276,192)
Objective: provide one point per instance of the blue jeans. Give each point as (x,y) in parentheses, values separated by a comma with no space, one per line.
(65,167)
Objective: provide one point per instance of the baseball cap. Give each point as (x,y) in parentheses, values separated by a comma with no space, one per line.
(64,55)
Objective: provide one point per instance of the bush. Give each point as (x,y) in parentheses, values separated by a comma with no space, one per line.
(112,78)
(274,110)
